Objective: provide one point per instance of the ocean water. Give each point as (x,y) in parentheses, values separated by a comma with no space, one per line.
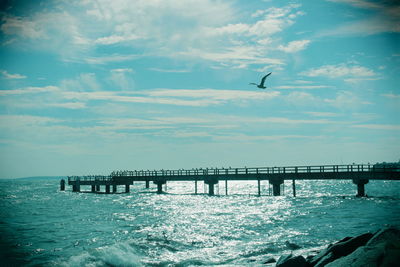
(41,226)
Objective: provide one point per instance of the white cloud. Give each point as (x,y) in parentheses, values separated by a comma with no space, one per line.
(11,76)
(108,59)
(352,73)
(84,82)
(302,86)
(346,100)
(206,30)
(321,114)
(169,70)
(392,96)
(302,98)
(123,78)
(294,46)
(68,105)
(378,126)
(29,90)
(180,97)
(23,27)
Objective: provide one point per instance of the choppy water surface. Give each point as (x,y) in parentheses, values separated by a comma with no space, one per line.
(42,226)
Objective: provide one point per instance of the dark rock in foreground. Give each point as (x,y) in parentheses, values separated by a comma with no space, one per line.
(379,249)
(292,261)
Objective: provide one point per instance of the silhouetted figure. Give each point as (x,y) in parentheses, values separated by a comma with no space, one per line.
(261,85)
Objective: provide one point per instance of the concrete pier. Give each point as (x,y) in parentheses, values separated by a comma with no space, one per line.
(359,174)
(211,183)
(62,185)
(276,186)
(294,187)
(93,188)
(77,186)
(360,186)
(159,184)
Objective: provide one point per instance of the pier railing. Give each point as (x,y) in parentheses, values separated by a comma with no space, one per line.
(354,168)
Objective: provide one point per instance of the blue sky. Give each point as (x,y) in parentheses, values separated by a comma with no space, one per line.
(88,87)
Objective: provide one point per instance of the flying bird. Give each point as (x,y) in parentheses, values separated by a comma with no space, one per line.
(261,85)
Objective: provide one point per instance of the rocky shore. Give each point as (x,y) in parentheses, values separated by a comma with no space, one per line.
(381,249)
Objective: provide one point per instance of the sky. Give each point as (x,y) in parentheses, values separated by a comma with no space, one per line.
(93,86)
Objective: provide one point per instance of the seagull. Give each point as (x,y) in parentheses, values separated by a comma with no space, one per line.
(261,85)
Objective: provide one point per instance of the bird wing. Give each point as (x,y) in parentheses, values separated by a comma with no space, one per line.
(263,79)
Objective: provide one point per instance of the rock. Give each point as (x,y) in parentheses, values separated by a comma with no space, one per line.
(385,235)
(292,246)
(339,249)
(269,260)
(362,257)
(325,260)
(292,261)
(383,249)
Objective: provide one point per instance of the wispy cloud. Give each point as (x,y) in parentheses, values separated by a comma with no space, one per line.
(302,87)
(169,70)
(347,100)
(294,46)
(11,76)
(395,127)
(350,72)
(180,97)
(321,114)
(29,90)
(392,96)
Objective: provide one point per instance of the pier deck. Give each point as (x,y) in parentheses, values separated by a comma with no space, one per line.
(359,174)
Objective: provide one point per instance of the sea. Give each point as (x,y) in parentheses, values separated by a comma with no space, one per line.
(43,226)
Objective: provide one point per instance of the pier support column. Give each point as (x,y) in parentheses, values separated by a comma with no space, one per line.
(77,186)
(107,189)
(226,187)
(93,188)
(360,186)
(211,182)
(62,185)
(127,188)
(147,184)
(97,188)
(259,187)
(294,187)
(276,186)
(114,188)
(159,184)
(195,187)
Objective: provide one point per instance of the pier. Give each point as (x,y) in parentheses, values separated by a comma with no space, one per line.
(360,174)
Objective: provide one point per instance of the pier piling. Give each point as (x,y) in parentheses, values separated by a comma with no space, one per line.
(62,185)
(159,184)
(276,186)
(294,187)
(211,183)
(127,188)
(360,186)
(147,184)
